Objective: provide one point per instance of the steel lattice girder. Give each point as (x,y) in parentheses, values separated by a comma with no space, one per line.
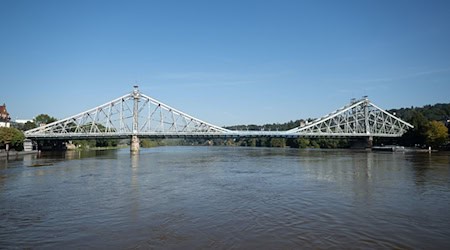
(359,118)
(138,114)
(117,118)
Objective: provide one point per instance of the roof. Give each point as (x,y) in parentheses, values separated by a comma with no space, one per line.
(4,115)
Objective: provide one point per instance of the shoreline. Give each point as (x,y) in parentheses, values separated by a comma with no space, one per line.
(5,154)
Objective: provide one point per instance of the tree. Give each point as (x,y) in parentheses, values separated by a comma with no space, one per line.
(278,142)
(436,134)
(300,142)
(29,125)
(303,142)
(11,136)
(43,119)
(417,134)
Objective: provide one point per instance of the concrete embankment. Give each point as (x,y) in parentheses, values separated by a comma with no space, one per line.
(4,154)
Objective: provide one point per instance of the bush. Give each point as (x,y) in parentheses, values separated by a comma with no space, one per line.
(13,137)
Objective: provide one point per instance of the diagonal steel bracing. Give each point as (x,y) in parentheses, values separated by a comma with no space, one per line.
(131,114)
(141,115)
(358,119)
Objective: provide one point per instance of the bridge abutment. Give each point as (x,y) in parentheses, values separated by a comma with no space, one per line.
(134,145)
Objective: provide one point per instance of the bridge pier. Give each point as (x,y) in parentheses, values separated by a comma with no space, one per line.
(362,143)
(369,141)
(134,145)
(27,145)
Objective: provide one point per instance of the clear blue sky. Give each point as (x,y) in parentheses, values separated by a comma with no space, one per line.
(226,62)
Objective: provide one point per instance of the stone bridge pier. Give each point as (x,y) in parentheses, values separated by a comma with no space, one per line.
(362,143)
(134,144)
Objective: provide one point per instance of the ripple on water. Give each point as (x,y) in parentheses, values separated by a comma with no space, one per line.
(245,198)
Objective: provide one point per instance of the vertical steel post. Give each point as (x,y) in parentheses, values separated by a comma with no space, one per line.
(135,109)
(134,145)
(369,138)
(366,116)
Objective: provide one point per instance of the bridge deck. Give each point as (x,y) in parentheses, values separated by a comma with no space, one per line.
(232,134)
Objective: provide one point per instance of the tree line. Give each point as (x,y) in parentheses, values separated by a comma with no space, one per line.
(431,125)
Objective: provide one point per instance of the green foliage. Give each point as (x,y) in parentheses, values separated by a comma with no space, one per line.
(278,142)
(436,134)
(303,142)
(95,143)
(267,127)
(417,135)
(44,119)
(436,112)
(11,136)
(428,130)
(84,144)
(328,143)
(263,142)
(106,143)
(251,142)
(314,144)
(24,126)
(29,125)
(230,142)
(317,143)
(149,143)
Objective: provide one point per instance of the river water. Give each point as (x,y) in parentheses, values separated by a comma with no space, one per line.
(225,197)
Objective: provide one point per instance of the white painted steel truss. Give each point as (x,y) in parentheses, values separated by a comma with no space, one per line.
(359,118)
(131,114)
(141,115)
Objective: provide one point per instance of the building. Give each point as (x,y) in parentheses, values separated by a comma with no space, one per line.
(4,117)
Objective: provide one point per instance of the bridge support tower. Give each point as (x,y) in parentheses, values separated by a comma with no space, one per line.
(134,145)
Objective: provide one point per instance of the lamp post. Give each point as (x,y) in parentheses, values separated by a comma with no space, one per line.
(7,148)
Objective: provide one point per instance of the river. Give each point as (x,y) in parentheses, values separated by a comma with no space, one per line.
(225,197)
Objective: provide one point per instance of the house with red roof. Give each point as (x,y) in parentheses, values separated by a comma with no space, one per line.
(4,117)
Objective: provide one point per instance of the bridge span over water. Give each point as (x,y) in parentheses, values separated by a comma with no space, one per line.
(136,115)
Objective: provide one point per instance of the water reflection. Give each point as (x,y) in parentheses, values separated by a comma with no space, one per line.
(135,190)
(28,159)
(72,154)
(204,197)
(134,161)
(355,174)
(431,168)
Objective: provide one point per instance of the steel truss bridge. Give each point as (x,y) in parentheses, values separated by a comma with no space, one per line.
(138,115)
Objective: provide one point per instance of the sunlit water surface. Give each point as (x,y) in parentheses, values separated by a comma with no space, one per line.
(225,197)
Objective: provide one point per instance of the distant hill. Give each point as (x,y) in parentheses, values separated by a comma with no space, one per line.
(436,112)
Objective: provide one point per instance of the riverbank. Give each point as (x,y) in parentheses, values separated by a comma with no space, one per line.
(96,148)
(395,148)
(4,154)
